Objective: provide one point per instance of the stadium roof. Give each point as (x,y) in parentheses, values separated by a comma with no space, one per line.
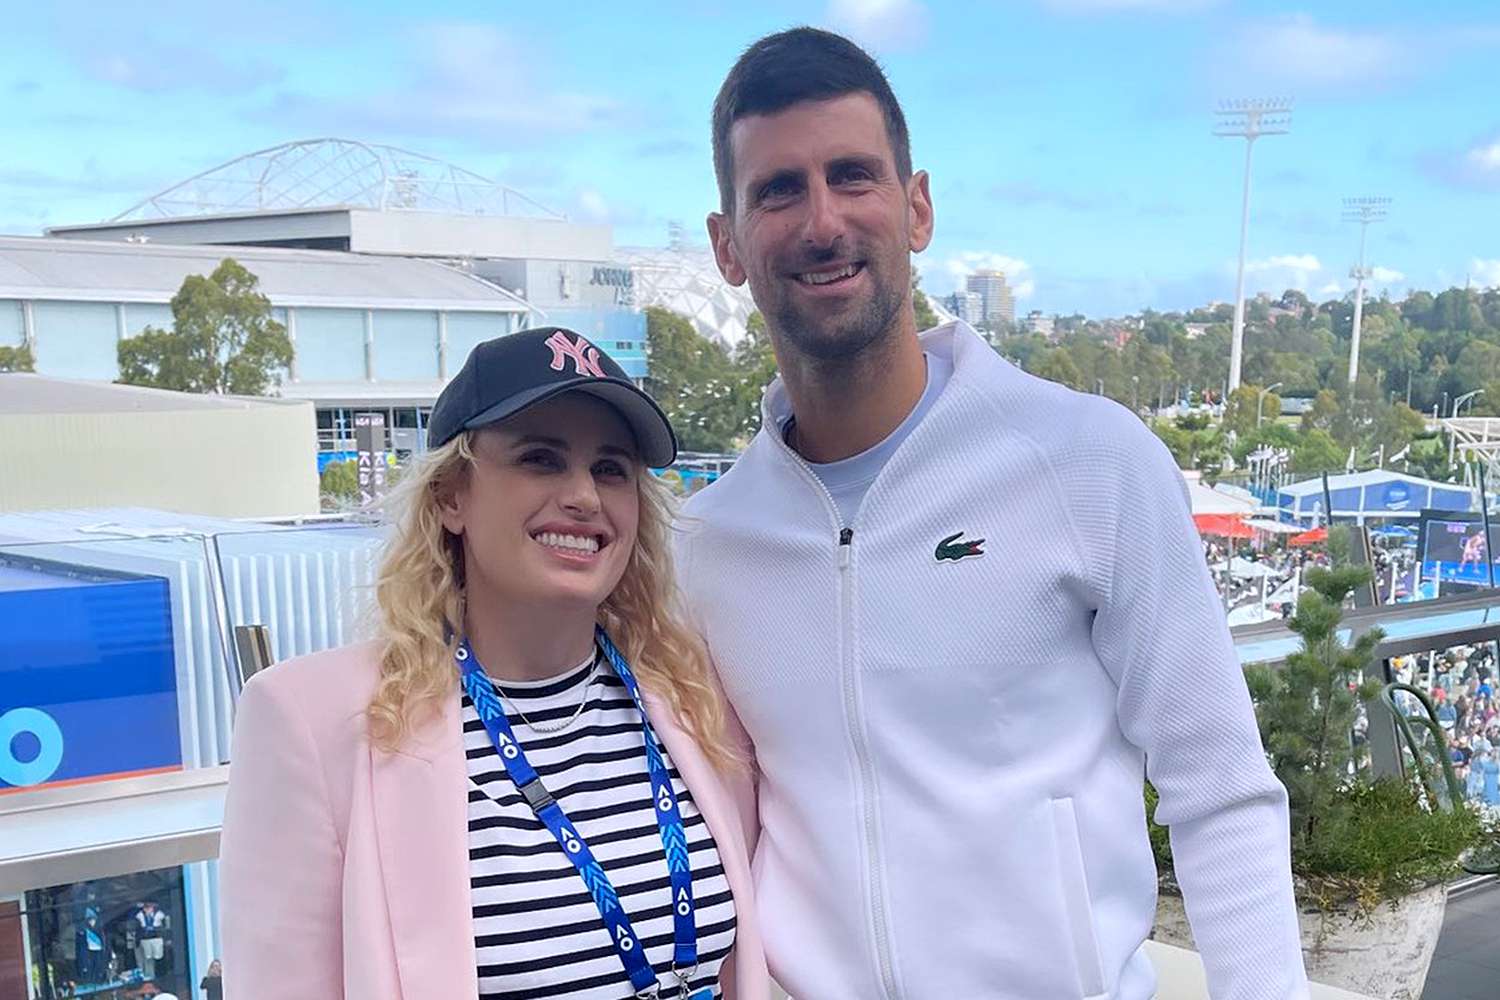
(34,267)
(686,280)
(33,394)
(1372,477)
(346,173)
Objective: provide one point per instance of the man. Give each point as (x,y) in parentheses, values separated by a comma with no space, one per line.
(150,933)
(930,571)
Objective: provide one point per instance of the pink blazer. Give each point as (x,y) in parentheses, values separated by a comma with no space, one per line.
(344,870)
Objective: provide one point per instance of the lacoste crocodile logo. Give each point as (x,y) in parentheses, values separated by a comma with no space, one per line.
(952,548)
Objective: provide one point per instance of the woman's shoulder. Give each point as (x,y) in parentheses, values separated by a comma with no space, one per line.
(329,684)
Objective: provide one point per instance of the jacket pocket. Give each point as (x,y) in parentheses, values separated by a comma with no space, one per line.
(1073,885)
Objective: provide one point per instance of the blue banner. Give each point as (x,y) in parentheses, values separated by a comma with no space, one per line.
(88,683)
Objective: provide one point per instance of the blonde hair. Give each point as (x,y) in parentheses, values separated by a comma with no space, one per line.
(419,601)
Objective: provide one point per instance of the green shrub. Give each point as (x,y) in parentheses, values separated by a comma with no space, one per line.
(1354,839)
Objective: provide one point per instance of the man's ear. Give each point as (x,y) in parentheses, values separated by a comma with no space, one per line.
(720,238)
(919,202)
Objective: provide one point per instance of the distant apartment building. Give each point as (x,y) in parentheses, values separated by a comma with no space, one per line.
(1035,322)
(999,304)
(967,306)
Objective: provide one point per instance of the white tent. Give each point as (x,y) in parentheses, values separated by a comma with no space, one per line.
(1274,527)
(1244,569)
(1207,501)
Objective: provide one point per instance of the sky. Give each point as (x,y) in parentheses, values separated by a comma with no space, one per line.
(1069,142)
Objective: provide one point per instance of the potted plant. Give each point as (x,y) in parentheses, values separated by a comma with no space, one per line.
(1371,858)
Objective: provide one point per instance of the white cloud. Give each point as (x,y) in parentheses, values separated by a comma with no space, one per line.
(1296,54)
(1017,272)
(463,80)
(881,24)
(1277,273)
(1291,262)
(1385,275)
(1332,288)
(1301,49)
(592,206)
(1486,273)
(1485,158)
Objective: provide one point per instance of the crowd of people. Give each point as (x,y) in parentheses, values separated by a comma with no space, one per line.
(1461,683)
(1249,579)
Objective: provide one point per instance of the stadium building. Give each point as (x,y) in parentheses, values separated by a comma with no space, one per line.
(385,266)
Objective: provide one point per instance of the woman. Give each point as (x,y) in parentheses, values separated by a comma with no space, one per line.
(212,985)
(484,801)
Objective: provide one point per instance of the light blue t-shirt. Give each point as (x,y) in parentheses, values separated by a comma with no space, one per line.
(849,479)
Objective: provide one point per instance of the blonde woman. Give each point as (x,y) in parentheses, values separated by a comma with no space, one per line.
(527,785)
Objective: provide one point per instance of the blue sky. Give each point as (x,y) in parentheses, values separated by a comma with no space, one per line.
(1069,141)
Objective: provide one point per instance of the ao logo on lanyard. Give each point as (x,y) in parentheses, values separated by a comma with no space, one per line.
(486,701)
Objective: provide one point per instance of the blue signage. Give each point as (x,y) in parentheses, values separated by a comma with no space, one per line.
(88,681)
(1397,496)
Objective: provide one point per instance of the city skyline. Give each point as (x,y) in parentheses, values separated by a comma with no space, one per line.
(1069,141)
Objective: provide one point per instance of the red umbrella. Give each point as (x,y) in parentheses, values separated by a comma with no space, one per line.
(1223,525)
(1313,537)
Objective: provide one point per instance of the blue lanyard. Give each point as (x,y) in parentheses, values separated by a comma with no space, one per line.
(481,692)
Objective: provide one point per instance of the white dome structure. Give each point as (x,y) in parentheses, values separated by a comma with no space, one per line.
(315,173)
(686,280)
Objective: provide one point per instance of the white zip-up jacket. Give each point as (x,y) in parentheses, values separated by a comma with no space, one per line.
(951,750)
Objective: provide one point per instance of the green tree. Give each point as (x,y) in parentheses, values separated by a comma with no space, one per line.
(1195,443)
(1294,299)
(1456,309)
(340,480)
(694,381)
(222,340)
(1245,404)
(926,318)
(1273,435)
(1322,414)
(1477,365)
(754,368)
(1306,708)
(1057,365)
(1317,451)
(17,359)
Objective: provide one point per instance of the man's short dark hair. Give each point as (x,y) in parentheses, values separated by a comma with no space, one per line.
(787,68)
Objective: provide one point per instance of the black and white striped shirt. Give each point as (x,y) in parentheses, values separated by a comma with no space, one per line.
(537,932)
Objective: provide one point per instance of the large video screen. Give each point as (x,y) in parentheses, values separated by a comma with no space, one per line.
(1452,549)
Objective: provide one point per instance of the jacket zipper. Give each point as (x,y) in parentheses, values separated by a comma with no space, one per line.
(876,901)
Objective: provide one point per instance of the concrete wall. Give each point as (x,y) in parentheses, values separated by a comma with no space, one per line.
(249,228)
(430,234)
(259,460)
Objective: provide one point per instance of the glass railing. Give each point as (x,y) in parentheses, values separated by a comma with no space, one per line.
(311,586)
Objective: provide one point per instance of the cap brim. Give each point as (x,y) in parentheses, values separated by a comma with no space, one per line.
(652,430)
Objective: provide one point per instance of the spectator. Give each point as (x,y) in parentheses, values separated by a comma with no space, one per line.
(213,983)
(1491,779)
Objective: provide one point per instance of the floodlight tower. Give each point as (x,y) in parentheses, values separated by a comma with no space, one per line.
(1363,211)
(1249,120)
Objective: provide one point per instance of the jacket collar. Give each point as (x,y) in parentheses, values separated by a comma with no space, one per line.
(955,341)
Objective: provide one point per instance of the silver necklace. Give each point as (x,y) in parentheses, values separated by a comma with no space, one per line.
(554,727)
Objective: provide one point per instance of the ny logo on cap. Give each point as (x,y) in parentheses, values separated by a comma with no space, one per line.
(585,356)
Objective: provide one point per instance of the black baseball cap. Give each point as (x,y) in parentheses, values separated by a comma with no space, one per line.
(502,377)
